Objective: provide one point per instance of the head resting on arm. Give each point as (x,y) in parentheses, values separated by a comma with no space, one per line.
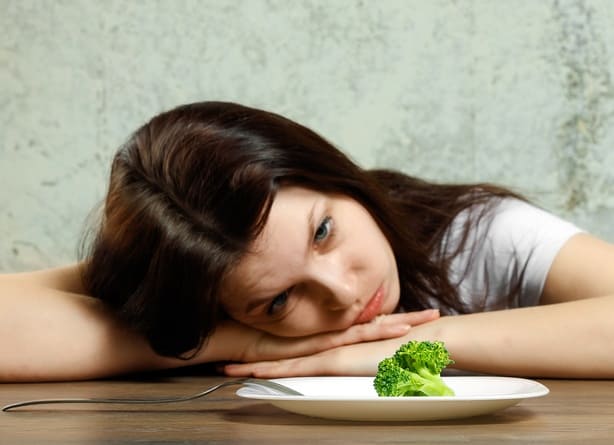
(191,190)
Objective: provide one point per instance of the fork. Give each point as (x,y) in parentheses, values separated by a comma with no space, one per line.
(270,386)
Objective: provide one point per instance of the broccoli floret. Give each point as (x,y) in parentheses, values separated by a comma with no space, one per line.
(414,370)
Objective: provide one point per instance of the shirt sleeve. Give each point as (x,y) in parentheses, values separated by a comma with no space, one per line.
(508,255)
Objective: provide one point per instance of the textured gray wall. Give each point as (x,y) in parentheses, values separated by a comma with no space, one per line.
(517,92)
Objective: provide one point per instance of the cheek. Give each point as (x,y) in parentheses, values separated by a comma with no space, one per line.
(302,321)
(308,319)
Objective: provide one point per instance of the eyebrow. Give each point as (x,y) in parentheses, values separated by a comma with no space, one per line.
(310,228)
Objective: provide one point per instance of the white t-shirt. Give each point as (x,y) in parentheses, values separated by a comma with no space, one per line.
(510,253)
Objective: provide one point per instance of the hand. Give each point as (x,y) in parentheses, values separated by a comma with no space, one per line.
(245,344)
(355,359)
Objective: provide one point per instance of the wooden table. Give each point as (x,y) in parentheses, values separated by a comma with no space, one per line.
(574,412)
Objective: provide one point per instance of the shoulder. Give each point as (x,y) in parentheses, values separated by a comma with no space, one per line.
(509,248)
(522,222)
(66,278)
(581,269)
(511,223)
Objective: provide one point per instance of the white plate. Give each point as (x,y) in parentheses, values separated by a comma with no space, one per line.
(353,398)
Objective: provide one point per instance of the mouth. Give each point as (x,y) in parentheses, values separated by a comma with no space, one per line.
(372,308)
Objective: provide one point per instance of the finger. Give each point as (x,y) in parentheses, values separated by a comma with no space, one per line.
(360,359)
(272,348)
(411,318)
(294,367)
(354,334)
(259,369)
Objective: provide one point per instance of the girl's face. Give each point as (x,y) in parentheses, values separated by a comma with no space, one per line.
(320,264)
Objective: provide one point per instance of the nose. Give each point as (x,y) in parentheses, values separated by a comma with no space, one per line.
(336,285)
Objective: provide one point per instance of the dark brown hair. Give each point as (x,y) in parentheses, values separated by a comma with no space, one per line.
(191,189)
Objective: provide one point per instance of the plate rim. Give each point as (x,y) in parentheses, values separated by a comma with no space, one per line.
(540,391)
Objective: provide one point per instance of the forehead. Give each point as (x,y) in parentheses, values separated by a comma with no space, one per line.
(280,249)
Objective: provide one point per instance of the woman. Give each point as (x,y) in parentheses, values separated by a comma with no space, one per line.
(230,234)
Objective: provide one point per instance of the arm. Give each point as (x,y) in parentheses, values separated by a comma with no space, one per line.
(567,340)
(569,335)
(50,330)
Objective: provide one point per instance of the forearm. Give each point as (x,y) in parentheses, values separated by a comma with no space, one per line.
(47,334)
(569,340)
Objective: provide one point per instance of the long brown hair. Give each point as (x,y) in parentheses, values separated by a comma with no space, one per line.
(191,189)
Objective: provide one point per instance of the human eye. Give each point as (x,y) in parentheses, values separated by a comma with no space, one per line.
(278,303)
(324,230)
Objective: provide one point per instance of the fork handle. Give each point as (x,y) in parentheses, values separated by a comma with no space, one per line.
(123,401)
(244,381)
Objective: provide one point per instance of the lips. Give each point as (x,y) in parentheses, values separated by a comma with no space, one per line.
(373,307)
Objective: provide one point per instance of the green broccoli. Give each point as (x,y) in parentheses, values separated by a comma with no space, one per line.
(414,370)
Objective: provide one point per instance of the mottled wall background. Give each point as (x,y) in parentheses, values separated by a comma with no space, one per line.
(518,92)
